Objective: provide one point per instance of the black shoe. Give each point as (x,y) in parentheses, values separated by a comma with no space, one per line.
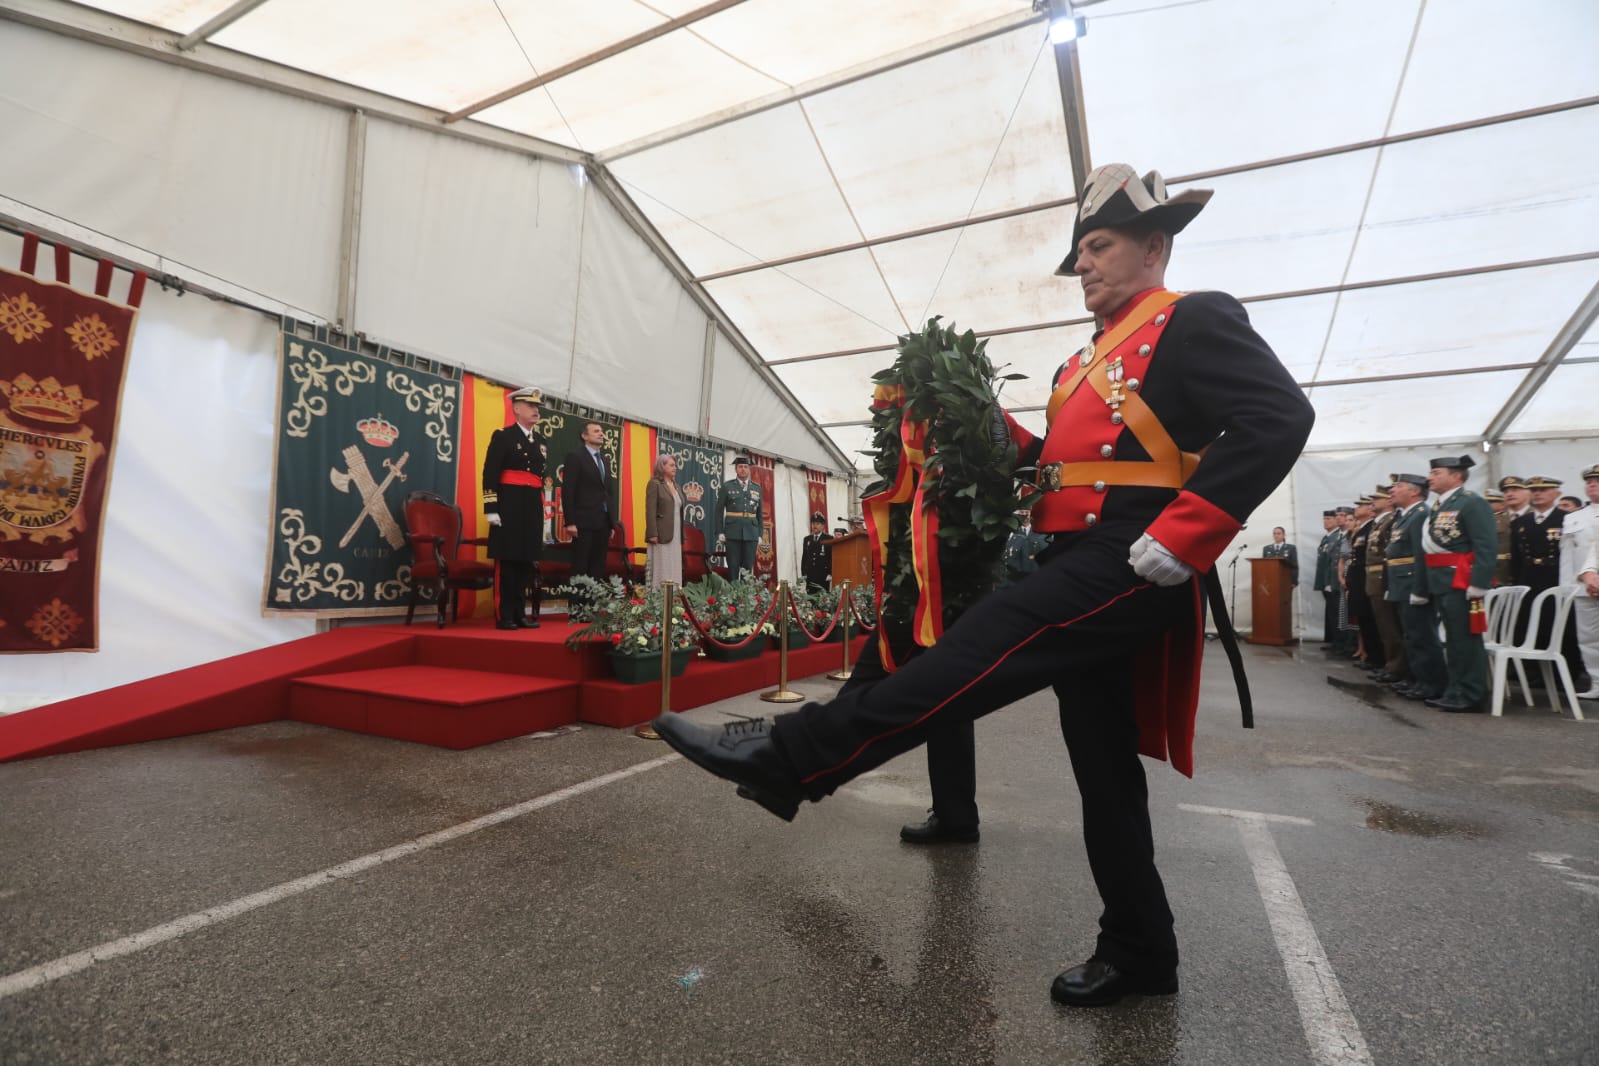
(1382,677)
(1455,705)
(1097,984)
(507,623)
(741,752)
(530,625)
(1406,689)
(934,831)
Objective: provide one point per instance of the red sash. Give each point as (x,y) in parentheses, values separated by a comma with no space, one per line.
(521,477)
(1461,561)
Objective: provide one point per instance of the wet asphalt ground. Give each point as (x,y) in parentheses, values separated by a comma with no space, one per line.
(1435,898)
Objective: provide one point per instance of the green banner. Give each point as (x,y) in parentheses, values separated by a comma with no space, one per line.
(700,468)
(356,435)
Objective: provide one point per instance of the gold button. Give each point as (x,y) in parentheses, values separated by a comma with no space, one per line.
(1106,450)
(1090,518)
(1116,418)
(1160,319)
(1132,383)
(1099,486)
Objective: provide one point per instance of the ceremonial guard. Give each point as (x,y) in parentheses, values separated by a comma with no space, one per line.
(1460,543)
(816,556)
(1579,565)
(513,503)
(1390,650)
(1327,578)
(1407,592)
(1142,490)
(740,504)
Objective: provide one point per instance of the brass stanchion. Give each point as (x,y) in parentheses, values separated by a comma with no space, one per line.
(846,607)
(644,732)
(782,693)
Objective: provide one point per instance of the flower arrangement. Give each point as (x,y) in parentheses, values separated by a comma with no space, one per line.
(629,623)
(731,610)
(865,600)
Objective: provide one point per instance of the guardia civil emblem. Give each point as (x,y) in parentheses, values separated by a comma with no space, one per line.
(46,456)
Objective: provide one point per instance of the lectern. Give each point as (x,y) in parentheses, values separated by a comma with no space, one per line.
(1272,601)
(852,559)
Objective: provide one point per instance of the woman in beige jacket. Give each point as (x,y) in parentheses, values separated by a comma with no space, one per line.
(663,524)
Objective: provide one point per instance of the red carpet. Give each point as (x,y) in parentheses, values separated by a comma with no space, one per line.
(459,687)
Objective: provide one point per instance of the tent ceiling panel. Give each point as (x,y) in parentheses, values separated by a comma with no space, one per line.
(1277,230)
(997,274)
(440,55)
(1038,354)
(179,16)
(917,146)
(772,195)
(640,341)
(821,305)
(658,84)
(1542,53)
(1295,328)
(1453,323)
(1520,190)
(234,180)
(1567,400)
(835,390)
(440,269)
(856,443)
(746,410)
(1425,409)
(1189,88)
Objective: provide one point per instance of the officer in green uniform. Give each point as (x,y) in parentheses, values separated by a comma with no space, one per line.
(1505,512)
(1461,543)
(740,503)
(1407,592)
(1327,577)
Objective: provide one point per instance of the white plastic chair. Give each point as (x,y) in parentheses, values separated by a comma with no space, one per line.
(1558,602)
(1502,605)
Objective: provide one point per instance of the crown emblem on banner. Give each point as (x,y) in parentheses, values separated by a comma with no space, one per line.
(47,400)
(693,492)
(378,431)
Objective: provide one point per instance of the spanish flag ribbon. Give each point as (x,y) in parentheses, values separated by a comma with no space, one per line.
(908,487)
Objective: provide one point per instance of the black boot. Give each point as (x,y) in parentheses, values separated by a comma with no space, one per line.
(935,831)
(742,752)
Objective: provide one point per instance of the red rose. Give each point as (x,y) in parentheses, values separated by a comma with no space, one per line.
(616,638)
(654,630)
(710,599)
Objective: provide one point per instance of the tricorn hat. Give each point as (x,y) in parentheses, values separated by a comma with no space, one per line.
(1512,481)
(1591,472)
(1115,196)
(528,395)
(1541,482)
(1453,462)
(737,459)
(1418,480)
(1329,514)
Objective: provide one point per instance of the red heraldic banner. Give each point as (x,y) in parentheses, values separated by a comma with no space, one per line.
(766,555)
(63,354)
(816,498)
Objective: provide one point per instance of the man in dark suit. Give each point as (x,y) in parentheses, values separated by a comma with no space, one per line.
(816,556)
(586,502)
(513,504)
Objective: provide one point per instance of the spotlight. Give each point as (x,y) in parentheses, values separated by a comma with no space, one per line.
(1066,28)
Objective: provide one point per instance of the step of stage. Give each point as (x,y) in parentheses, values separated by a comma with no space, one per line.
(442,706)
(540,652)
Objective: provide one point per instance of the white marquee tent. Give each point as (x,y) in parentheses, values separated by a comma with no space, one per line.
(718,216)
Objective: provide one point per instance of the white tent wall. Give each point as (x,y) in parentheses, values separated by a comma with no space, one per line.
(188,513)
(745,409)
(791,518)
(239,182)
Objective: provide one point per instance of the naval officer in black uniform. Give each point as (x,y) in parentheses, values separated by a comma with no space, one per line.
(513,503)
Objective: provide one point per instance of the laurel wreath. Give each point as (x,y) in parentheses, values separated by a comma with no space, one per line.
(949,381)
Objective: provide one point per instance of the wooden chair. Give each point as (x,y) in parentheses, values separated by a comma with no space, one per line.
(433,528)
(697,562)
(622,561)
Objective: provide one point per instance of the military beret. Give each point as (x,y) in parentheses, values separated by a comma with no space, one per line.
(528,395)
(1512,481)
(1453,462)
(1419,480)
(1541,482)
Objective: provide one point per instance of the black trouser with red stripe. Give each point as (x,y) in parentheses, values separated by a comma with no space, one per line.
(1073,625)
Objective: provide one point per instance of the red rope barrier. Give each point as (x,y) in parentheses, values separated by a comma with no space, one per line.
(705,631)
(856,611)
(837,613)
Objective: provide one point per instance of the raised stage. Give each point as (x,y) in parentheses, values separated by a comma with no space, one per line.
(458,687)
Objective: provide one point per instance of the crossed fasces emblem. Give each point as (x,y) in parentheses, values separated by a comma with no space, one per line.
(372,502)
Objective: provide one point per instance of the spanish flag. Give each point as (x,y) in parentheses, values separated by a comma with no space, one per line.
(638,460)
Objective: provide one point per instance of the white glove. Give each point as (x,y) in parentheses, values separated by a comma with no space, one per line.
(1475,593)
(494,519)
(1417,601)
(1154,562)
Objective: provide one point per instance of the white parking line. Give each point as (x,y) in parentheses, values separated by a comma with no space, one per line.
(42,974)
(1331,1031)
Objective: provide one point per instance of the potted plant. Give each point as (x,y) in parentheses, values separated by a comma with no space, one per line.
(731,611)
(631,624)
